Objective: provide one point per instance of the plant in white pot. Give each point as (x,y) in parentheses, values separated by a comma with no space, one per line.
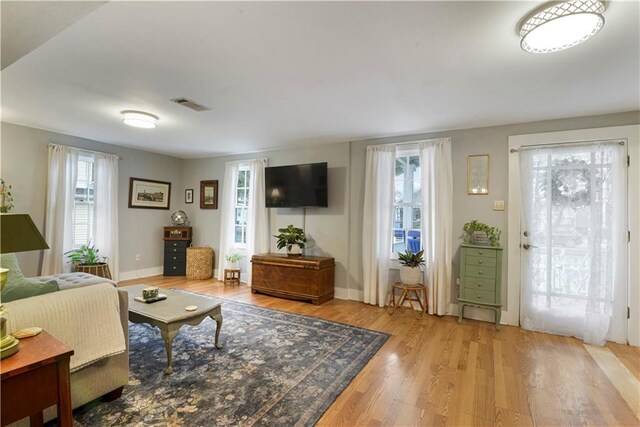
(410,267)
(292,238)
(233,259)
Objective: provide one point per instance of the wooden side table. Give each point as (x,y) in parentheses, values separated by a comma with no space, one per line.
(232,276)
(409,293)
(35,378)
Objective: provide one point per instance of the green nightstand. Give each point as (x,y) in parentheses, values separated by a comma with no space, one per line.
(480,279)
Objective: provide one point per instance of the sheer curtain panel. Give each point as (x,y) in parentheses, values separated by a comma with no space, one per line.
(437,221)
(227,214)
(377,222)
(258,215)
(106,209)
(61,187)
(574,265)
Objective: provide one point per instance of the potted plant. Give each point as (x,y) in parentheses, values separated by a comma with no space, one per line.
(233,259)
(85,259)
(292,238)
(6,198)
(479,233)
(410,267)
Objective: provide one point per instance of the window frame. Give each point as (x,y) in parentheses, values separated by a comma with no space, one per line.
(408,189)
(242,168)
(89,200)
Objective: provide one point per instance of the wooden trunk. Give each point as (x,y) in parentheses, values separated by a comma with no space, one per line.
(304,278)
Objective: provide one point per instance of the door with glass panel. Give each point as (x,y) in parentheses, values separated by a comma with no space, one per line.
(406,204)
(574,239)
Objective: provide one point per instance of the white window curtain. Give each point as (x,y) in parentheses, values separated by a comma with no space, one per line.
(574,272)
(257,215)
(106,209)
(377,222)
(437,221)
(61,187)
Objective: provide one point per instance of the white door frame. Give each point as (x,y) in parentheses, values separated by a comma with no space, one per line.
(632,135)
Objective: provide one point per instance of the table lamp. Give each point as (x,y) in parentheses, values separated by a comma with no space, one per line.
(18,233)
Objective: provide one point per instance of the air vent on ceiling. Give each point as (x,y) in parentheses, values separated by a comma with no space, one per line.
(190,104)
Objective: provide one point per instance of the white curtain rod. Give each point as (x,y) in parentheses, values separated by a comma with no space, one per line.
(564,144)
(86,151)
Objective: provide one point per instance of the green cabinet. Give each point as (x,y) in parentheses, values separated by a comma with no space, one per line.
(480,279)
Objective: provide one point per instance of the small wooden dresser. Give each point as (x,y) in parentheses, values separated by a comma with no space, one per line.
(480,279)
(176,242)
(304,278)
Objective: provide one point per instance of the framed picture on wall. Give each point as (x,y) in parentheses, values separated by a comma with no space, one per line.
(149,194)
(188,195)
(209,194)
(478,174)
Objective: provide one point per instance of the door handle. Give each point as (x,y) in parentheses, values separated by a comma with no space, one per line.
(526,246)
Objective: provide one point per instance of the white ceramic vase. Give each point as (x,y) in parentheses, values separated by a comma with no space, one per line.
(409,275)
(294,250)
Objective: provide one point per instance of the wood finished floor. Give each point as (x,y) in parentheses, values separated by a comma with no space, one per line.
(435,372)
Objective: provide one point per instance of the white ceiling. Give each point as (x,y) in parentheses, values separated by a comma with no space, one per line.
(28,24)
(291,74)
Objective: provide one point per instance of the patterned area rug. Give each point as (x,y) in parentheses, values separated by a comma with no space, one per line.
(276,368)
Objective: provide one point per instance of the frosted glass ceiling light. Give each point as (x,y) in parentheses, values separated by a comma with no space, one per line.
(561,25)
(139,119)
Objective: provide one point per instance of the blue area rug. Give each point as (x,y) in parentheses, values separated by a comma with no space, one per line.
(276,368)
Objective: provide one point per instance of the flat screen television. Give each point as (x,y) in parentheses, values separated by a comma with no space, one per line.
(296,186)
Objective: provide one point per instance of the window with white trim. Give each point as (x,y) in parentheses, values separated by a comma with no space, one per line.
(242,206)
(407,201)
(83,207)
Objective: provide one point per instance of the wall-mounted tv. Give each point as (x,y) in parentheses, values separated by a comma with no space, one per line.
(296,186)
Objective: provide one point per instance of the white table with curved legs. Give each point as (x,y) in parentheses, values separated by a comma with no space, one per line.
(170,314)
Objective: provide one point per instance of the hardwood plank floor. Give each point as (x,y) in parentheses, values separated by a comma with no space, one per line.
(435,372)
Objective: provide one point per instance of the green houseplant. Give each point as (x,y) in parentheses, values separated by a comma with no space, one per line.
(479,233)
(233,259)
(410,266)
(292,238)
(85,259)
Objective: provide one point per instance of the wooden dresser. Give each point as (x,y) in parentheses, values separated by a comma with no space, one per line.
(480,279)
(304,278)
(176,242)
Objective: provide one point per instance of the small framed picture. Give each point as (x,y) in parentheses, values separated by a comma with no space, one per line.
(188,195)
(149,194)
(209,194)
(478,175)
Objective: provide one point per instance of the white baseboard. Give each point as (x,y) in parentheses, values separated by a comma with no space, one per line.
(348,294)
(139,274)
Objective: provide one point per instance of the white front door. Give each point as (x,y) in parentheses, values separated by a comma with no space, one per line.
(574,240)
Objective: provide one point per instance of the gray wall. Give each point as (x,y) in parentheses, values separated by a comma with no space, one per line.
(491,140)
(334,231)
(23,153)
(327,228)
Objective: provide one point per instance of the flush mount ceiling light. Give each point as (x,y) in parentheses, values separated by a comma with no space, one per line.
(139,119)
(561,25)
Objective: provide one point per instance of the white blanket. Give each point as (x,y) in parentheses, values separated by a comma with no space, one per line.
(86,319)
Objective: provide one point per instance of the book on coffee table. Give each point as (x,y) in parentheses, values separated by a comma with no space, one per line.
(160,297)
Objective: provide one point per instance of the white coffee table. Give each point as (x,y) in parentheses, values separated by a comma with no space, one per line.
(170,314)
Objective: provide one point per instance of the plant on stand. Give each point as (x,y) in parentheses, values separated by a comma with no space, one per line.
(479,233)
(410,267)
(85,259)
(292,238)
(233,259)
(6,198)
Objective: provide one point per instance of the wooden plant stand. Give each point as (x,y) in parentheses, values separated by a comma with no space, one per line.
(232,276)
(409,293)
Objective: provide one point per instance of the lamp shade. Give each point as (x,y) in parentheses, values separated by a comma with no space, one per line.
(18,233)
